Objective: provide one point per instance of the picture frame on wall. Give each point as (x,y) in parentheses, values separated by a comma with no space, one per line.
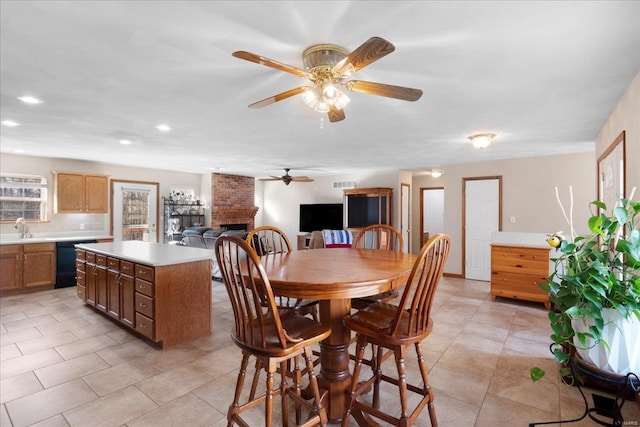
(612,172)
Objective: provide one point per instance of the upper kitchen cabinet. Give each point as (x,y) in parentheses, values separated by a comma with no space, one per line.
(80,193)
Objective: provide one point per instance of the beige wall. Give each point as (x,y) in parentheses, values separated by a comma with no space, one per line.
(528,194)
(93,223)
(626,116)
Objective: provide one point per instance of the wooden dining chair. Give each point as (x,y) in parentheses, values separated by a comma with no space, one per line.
(274,341)
(268,239)
(377,236)
(395,327)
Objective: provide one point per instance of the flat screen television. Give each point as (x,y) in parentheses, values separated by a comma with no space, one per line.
(320,216)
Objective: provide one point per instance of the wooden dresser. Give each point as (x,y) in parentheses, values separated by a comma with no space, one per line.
(518,270)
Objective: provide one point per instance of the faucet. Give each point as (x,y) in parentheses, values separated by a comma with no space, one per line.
(25,228)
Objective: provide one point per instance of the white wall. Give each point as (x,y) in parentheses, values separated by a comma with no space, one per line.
(93,223)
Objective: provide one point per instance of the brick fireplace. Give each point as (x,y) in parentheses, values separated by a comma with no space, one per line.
(232,200)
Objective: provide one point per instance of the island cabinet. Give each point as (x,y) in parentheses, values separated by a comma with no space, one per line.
(518,270)
(163,295)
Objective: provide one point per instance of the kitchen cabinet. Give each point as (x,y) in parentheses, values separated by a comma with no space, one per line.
(27,265)
(80,193)
(517,272)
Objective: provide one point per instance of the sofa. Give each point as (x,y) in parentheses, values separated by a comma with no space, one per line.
(205,238)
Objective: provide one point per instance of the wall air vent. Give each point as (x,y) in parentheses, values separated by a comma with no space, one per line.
(341,185)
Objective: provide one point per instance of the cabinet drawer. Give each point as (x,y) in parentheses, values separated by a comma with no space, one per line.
(126,267)
(144,305)
(80,278)
(39,247)
(80,291)
(81,254)
(101,260)
(144,287)
(144,272)
(113,263)
(145,326)
(90,257)
(517,282)
(520,260)
(80,265)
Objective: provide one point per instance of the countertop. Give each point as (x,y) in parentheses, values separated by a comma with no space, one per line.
(14,239)
(153,254)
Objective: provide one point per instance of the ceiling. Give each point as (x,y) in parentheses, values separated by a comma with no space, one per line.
(543,76)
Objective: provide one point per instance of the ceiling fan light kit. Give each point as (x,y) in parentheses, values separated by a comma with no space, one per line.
(327,66)
(482,140)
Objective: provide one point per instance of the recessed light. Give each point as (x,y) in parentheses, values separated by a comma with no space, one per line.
(125,142)
(163,128)
(10,123)
(29,100)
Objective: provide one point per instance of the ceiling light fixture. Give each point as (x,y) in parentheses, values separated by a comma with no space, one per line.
(435,173)
(482,140)
(319,60)
(29,100)
(10,123)
(163,128)
(125,142)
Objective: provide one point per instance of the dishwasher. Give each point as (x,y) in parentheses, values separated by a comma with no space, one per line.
(66,262)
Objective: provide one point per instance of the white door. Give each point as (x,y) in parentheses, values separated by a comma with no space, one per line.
(405,202)
(135,211)
(482,217)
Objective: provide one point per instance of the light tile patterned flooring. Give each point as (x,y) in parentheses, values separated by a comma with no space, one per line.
(63,364)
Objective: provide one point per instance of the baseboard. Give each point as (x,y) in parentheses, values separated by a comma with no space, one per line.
(454,276)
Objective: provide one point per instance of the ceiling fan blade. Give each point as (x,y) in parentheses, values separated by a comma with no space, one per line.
(335,115)
(252,57)
(390,91)
(279,97)
(301,179)
(368,52)
(273,178)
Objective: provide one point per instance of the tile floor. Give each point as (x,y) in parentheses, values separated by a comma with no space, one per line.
(62,364)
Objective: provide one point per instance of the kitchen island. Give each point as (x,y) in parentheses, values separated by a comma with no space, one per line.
(162,292)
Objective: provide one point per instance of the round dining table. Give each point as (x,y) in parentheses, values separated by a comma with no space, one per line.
(334,276)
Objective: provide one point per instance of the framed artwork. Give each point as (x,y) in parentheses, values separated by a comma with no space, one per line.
(612,173)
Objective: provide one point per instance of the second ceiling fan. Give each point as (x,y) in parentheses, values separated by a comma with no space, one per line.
(327,67)
(288,179)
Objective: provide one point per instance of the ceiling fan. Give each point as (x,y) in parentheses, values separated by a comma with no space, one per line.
(327,67)
(288,179)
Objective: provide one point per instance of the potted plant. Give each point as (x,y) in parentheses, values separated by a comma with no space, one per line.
(595,292)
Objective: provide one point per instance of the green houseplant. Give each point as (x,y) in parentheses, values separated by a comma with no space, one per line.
(595,275)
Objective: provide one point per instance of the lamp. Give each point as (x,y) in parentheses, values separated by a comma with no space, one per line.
(319,60)
(436,173)
(482,140)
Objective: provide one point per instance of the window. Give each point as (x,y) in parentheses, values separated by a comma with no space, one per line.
(23,196)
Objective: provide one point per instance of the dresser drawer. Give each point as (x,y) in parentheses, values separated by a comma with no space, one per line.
(81,254)
(144,272)
(520,260)
(101,260)
(513,281)
(113,263)
(145,326)
(126,267)
(144,305)
(80,265)
(80,291)
(144,287)
(90,257)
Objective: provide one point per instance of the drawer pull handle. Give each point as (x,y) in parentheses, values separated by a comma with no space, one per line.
(143,304)
(142,325)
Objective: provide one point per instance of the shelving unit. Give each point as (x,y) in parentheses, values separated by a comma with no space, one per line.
(181,215)
(364,206)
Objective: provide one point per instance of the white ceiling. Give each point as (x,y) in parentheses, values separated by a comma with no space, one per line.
(543,76)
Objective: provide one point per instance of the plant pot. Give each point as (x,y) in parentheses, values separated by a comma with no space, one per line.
(622,335)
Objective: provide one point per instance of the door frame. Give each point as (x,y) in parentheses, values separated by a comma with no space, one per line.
(406,241)
(113,182)
(464,213)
